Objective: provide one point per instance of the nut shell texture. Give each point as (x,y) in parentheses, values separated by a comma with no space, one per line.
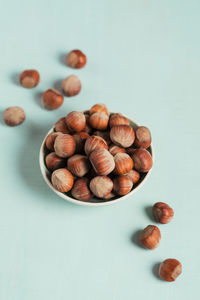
(170,269)
(61,126)
(102,161)
(50,139)
(62,180)
(142,160)
(14,116)
(142,137)
(134,176)
(29,78)
(122,135)
(123,163)
(76,59)
(71,86)
(52,99)
(99,120)
(75,121)
(78,165)
(101,186)
(118,119)
(162,212)
(53,162)
(150,237)
(64,145)
(80,190)
(94,142)
(122,185)
(99,108)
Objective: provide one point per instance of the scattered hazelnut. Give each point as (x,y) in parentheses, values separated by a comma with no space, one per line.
(142,137)
(71,86)
(80,138)
(122,135)
(52,99)
(78,165)
(75,121)
(50,139)
(104,134)
(29,78)
(54,162)
(122,185)
(118,119)
(142,160)
(94,142)
(134,176)
(64,145)
(114,149)
(150,237)
(80,190)
(99,108)
(14,116)
(76,59)
(170,269)
(102,161)
(61,126)
(123,163)
(162,212)
(99,120)
(101,186)
(62,180)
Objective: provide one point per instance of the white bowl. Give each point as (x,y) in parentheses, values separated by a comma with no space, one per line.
(94,201)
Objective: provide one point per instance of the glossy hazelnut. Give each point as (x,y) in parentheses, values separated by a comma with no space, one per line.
(54,162)
(29,78)
(122,135)
(142,160)
(80,138)
(94,142)
(118,119)
(62,180)
(101,186)
(150,237)
(50,139)
(123,163)
(162,212)
(75,121)
(99,108)
(71,86)
(170,269)
(99,120)
(78,165)
(104,134)
(80,190)
(134,176)
(61,126)
(64,145)
(52,99)
(14,116)
(114,149)
(76,59)
(142,137)
(102,161)
(122,185)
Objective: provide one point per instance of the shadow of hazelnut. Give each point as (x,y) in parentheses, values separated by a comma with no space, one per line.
(62,58)
(148,212)
(155,270)
(135,238)
(15,78)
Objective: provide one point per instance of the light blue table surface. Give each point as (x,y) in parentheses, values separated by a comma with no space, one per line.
(144,61)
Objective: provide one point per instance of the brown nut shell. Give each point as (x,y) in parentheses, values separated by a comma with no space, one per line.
(122,185)
(78,165)
(102,161)
(71,86)
(150,237)
(50,139)
(118,119)
(53,162)
(99,120)
(142,137)
(64,145)
(170,269)
(80,190)
(134,176)
(29,78)
(101,186)
(114,149)
(76,59)
(14,116)
(75,121)
(61,126)
(122,135)
(100,107)
(142,160)
(162,212)
(62,180)
(123,163)
(52,99)
(94,142)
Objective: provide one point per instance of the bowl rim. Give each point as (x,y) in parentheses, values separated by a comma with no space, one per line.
(86,203)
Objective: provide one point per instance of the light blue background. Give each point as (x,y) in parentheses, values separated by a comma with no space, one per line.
(143,60)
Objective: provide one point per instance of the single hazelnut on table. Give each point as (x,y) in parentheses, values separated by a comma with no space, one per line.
(118,119)
(99,108)
(80,138)
(29,78)
(99,120)
(62,180)
(78,165)
(150,237)
(142,160)
(142,137)
(101,186)
(123,163)
(122,185)
(134,176)
(61,126)
(52,99)
(50,139)
(80,190)
(114,149)
(14,116)
(94,142)
(122,135)
(104,134)
(54,162)
(76,59)
(102,161)
(75,121)
(64,145)
(162,212)
(71,86)
(170,269)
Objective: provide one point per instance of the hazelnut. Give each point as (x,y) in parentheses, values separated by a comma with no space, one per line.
(87,127)
(122,185)
(123,163)
(29,78)
(150,237)
(101,186)
(122,135)
(142,160)
(80,139)
(71,86)
(94,142)
(76,59)
(102,161)
(142,137)
(62,180)
(50,139)
(114,149)
(118,119)
(104,134)
(99,108)
(170,269)
(61,126)
(64,145)
(14,116)
(109,196)
(162,212)
(54,162)
(80,190)
(130,151)
(99,120)
(75,121)
(134,176)
(78,165)
(52,99)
